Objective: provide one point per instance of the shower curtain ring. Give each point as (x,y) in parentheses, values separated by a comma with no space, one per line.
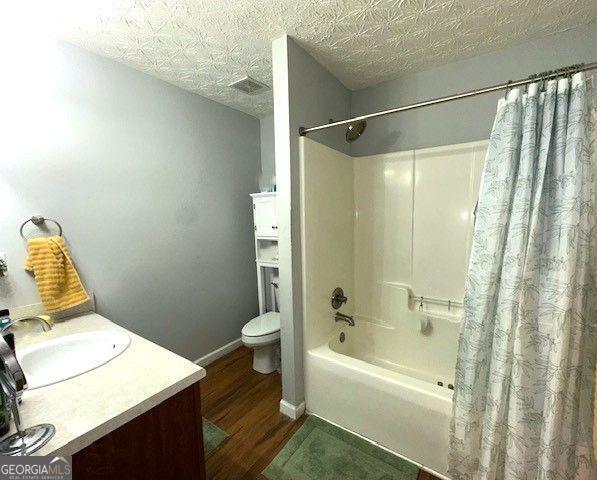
(574,69)
(507,89)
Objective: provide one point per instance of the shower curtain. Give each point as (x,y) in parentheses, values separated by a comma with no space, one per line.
(525,374)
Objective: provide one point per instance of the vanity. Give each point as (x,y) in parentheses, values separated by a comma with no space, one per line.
(136,416)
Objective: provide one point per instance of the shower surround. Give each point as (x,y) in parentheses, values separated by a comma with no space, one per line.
(388,229)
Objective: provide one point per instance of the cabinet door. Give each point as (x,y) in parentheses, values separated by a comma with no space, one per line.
(266,224)
(164,443)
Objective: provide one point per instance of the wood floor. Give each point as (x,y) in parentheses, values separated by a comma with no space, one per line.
(246,405)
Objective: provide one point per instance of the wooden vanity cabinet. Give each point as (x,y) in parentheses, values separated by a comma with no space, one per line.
(164,443)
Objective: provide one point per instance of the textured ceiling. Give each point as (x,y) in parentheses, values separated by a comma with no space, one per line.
(203,45)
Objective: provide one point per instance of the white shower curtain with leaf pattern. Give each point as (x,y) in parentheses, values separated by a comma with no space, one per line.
(525,374)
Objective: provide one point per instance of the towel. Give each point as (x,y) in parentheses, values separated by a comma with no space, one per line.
(57,280)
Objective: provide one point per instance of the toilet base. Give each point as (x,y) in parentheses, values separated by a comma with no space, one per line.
(265,359)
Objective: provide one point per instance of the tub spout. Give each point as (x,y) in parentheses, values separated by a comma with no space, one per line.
(340,317)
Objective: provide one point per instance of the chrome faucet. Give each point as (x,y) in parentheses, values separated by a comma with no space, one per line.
(45,325)
(340,317)
(8,358)
(11,367)
(13,382)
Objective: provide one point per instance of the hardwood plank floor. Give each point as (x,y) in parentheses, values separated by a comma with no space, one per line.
(246,405)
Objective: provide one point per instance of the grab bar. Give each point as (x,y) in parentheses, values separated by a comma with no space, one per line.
(435,301)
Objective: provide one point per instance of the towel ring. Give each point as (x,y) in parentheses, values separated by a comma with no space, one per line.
(39,220)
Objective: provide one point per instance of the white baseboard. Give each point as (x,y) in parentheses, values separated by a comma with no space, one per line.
(293,412)
(220,352)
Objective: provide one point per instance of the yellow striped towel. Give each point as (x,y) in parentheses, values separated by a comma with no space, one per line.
(57,280)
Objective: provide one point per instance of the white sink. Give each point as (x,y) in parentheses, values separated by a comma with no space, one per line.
(65,357)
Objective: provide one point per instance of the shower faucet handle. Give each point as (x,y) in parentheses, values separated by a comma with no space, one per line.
(338,298)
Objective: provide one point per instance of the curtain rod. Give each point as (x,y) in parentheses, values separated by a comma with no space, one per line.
(532,79)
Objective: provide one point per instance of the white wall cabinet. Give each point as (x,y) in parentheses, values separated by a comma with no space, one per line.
(264,215)
(266,247)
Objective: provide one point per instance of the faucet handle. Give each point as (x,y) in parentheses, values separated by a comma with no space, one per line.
(338,298)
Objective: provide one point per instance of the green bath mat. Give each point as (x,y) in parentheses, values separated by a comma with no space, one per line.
(321,451)
(212,436)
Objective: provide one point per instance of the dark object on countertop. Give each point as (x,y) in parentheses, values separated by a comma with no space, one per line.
(9,338)
(4,418)
(4,317)
(4,415)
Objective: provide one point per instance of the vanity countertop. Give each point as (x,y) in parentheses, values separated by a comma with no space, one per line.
(85,408)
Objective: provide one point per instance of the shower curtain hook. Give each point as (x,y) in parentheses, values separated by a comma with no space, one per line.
(507,89)
(568,73)
(538,79)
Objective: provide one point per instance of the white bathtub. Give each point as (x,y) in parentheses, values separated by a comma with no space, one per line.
(358,232)
(381,383)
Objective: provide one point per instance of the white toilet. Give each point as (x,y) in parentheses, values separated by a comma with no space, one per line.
(262,334)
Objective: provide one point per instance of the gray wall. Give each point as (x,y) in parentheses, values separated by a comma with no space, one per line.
(463,120)
(268,157)
(151,185)
(305,93)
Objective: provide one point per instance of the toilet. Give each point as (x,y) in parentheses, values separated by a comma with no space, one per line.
(262,334)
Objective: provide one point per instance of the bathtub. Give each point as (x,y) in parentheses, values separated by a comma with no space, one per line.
(357,221)
(381,382)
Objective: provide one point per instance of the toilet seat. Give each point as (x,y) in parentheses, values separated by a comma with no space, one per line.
(262,330)
(262,325)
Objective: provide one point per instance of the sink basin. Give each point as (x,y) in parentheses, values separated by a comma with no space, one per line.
(66,357)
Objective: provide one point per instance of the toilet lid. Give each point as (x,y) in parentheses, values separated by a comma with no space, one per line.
(262,325)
